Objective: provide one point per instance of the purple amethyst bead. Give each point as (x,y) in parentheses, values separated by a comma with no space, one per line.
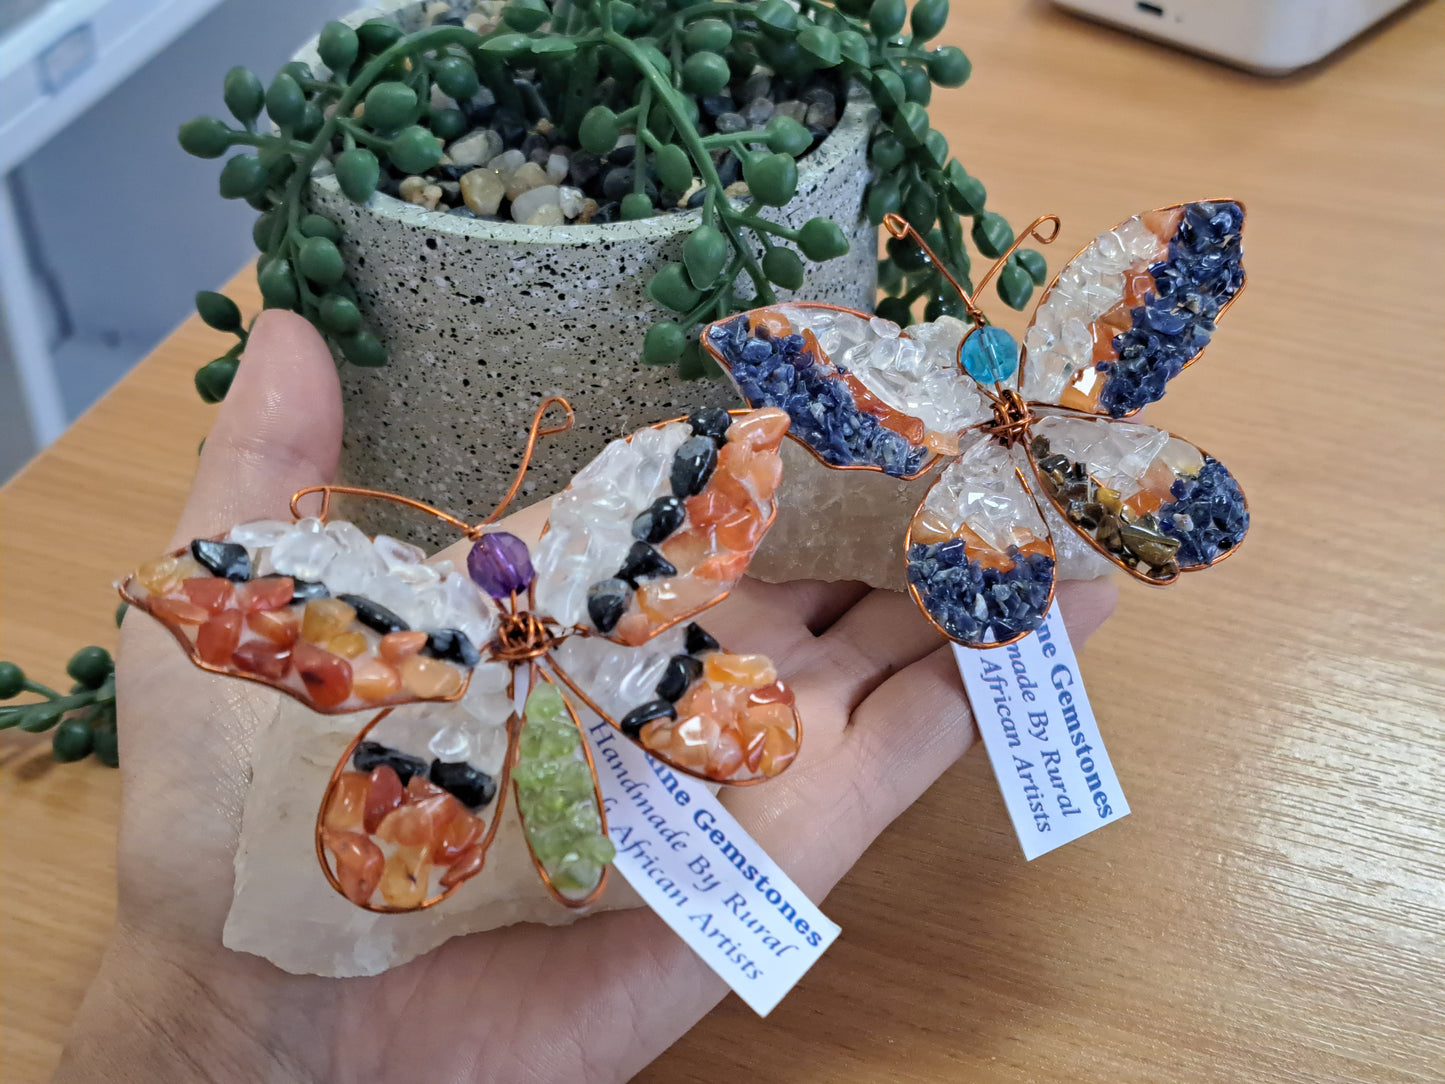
(499,564)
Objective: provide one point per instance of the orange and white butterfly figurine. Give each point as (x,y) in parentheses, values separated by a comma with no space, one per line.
(657,528)
(1120,321)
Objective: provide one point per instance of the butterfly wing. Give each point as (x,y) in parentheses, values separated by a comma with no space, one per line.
(661,525)
(415,801)
(321,612)
(697,708)
(861,393)
(558,798)
(1151,502)
(1131,310)
(980,559)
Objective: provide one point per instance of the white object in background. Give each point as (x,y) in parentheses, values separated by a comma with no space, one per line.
(1271,37)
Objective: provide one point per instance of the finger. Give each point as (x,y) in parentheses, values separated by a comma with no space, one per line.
(279,429)
(813,604)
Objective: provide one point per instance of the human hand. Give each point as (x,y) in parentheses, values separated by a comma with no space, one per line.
(884,712)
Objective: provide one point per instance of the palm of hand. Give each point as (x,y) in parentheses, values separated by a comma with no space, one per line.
(884,712)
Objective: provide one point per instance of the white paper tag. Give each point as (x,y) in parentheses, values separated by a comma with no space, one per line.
(693,864)
(1031,708)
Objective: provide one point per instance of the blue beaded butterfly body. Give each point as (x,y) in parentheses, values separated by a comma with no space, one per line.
(1125,316)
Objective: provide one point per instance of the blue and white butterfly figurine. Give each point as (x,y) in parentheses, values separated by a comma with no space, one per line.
(1121,320)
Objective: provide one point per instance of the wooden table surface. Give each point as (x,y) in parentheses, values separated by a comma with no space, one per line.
(1272,910)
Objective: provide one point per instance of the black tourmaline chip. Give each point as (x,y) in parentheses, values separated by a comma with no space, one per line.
(633,722)
(660,520)
(606,603)
(699,640)
(371,755)
(470,786)
(681,672)
(301,590)
(374,616)
(710,422)
(228,559)
(644,563)
(452,645)
(693,465)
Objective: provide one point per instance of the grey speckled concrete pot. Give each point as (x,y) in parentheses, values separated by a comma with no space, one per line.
(481,320)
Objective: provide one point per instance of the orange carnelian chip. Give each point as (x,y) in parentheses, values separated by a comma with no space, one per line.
(691,742)
(404,877)
(263,658)
(1103,336)
(689,548)
(753,741)
(419,788)
(776,693)
(359,863)
(346,806)
(324,618)
(348,645)
(760,428)
(722,668)
(218,637)
(406,826)
(384,793)
(774,715)
(396,646)
(211,592)
(656,736)
(708,507)
(662,600)
(454,836)
(774,321)
(267,593)
(941,443)
(279,626)
(740,531)
(726,756)
(372,679)
(724,568)
(467,864)
(929,527)
(634,630)
(779,749)
(327,677)
(180,611)
(1164,223)
(166,574)
(1119,318)
(429,679)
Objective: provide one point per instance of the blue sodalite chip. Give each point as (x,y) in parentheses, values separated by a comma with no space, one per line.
(1207,515)
(776,370)
(951,587)
(1201,274)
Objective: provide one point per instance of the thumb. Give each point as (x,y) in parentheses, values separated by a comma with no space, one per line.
(279,429)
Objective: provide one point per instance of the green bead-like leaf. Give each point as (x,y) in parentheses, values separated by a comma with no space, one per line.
(945,302)
(992,234)
(285,103)
(205,137)
(674,168)
(40,718)
(1034,264)
(457,78)
(415,150)
(72,740)
(218,311)
(949,67)
(655,57)
(243,94)
(906,254)
(214,378)
(339,315)
(705,255)
(363,349)
(787,136)
(889,277)
(822,239)
(320,260)
(887,151)
(695,364)
(526,15)
(920,207)
(664,343)
(705,73)
(671,289)
(507,46)
(895,309)
(911,124)
(299,70)
(776,17)
(772,179)
(377,35)
(278,284)
(935,149)
(91,666)
(784,268)
(854,46)
(338,46)
(821,44)
(358,173)
(12,680)
(707,35)
(1014,285)
(105,746)
(242,176)
(598,131)
(929,17)
(553,46)
(888,90)
(886,17)
(916,84)
(261,229)
(447,124)
(311,121)
(625,15)
(884,198)
(388,106)
(966,194)
(636,205)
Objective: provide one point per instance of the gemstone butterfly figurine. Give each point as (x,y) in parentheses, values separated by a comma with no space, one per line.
(1120,321)
(657,528)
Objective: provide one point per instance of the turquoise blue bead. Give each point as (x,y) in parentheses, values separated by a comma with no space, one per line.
(990,354)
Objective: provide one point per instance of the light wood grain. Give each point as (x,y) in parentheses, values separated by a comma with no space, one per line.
(1273,908)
